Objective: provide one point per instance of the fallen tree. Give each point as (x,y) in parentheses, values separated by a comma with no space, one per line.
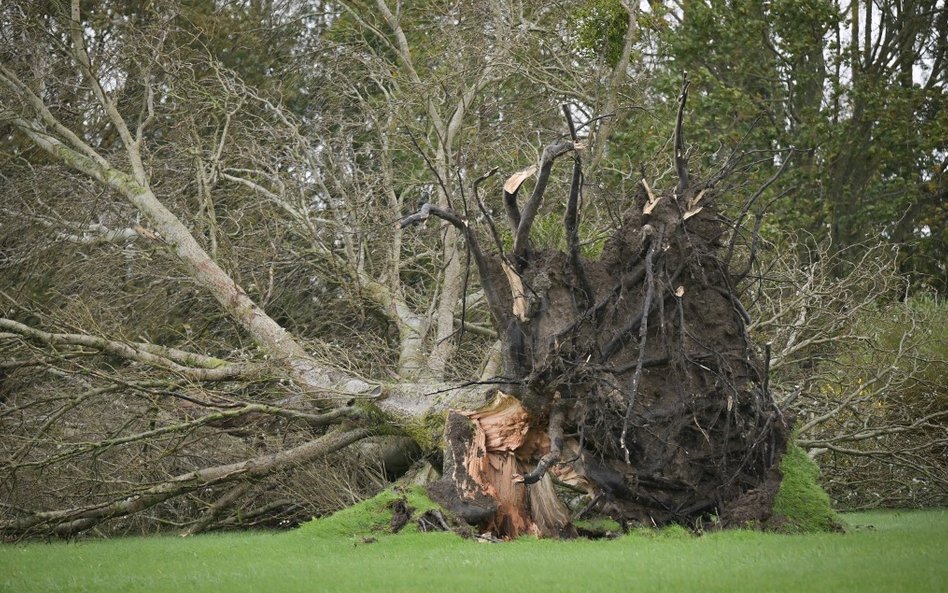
(628,376)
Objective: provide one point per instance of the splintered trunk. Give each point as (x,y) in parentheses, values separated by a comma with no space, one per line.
(488,451)
(629,378)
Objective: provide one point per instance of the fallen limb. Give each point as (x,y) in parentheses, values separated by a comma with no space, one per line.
(65,522)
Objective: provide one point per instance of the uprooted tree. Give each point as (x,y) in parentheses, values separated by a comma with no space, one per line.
(627,376)
(630,375)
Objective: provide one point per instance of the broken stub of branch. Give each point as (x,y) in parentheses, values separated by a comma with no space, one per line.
(513,183)
(652,199)
(511,189)
(681,160)
(522,237)
(520,303)
(693,206)
(571,218)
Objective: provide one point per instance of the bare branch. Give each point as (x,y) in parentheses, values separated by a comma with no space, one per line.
(70,521)
(78,449)
(195,366)
(82,56)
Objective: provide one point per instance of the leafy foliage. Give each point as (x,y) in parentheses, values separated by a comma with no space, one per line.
(599,28)
(866,122)
(908,417)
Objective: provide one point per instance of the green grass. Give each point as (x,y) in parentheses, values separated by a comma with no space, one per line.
(883,551)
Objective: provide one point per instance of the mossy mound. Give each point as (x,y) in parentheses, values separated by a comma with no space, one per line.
(801,504)
(374,517)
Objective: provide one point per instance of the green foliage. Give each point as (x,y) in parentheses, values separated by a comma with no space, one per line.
(262,45)
(370,518)
(801,500)
(869,148)
(930,311)
(549,232)
(916,325)
(599,30)
(883,552)
(900,364)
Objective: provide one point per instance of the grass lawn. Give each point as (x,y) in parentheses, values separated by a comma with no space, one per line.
(882,552)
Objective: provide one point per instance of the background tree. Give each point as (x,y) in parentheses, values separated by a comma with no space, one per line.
(840,83)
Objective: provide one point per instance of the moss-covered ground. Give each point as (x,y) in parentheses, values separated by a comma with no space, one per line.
(351,551)
(803,505)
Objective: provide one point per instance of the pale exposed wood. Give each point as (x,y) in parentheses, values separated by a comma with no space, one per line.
(691,213)
(516,290)
(513,183)
(652,200)
(549,514)
(504,422)
(503,444)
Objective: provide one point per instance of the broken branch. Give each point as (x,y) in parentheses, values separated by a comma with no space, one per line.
(522,238)
(571,219)
(681,161)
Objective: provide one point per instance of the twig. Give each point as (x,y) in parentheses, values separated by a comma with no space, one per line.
(487,217)
(747,207)
(444,188)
